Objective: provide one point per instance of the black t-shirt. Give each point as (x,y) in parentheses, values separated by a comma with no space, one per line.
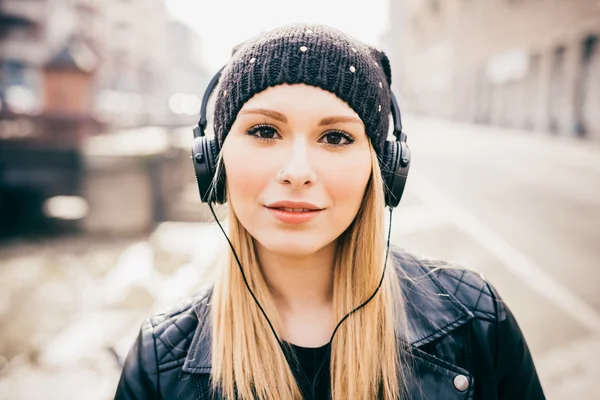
(312,360)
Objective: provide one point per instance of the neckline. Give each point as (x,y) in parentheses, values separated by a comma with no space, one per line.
(315,349)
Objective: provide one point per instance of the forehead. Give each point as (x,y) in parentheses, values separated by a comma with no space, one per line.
(300,99)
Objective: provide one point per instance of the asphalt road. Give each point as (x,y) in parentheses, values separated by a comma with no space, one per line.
(523,209)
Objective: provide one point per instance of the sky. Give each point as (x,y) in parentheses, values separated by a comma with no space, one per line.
(223,24)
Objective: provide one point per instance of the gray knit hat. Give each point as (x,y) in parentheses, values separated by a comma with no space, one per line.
(315,55)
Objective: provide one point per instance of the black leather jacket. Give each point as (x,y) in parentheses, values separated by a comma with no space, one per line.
(465,343)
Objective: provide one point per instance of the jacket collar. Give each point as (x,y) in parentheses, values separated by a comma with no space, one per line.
(431,307)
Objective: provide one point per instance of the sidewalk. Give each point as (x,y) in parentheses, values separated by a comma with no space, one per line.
(70,308)
(573,371)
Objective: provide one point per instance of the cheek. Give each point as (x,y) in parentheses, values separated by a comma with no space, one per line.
(241,181)
(246,174)
(347,181)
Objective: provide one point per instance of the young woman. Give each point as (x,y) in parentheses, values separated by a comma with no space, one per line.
(310,302)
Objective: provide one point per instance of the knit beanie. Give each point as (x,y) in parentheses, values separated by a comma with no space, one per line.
(315,55)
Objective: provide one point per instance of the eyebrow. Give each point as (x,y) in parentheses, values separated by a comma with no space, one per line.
(335,120)
(280,117)
(269,113)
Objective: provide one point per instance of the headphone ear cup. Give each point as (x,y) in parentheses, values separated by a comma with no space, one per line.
(205,153)
(387,168)
(394,170)
(219,196)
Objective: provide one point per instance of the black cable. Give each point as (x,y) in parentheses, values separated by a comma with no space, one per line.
(328,353)
(244,275)
(378,286)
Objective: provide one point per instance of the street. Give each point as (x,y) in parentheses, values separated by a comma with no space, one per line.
(521,208)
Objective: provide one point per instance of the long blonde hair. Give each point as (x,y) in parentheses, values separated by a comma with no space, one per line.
(366,361)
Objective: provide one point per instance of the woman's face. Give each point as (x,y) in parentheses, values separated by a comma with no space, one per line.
(298,161)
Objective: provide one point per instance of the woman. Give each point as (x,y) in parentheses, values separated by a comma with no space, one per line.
(308,304)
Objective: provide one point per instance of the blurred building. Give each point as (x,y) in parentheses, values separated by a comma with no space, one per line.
(127,39)
(516,63)
(187,77)
(21,56)
(132,38)
(72,69)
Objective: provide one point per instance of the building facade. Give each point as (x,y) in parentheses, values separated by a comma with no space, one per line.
(527,64)
(127,38)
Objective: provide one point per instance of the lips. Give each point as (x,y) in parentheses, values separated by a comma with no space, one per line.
(294,209)
(294,212)
(294,206)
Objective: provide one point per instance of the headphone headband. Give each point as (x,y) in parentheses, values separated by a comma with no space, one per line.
(394,162)
(200,129)
(207,93)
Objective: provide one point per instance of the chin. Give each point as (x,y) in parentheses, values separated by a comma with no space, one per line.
(292,244)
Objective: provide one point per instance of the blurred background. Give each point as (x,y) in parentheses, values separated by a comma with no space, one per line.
(100,220)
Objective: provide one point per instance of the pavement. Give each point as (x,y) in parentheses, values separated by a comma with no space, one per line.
(71,307)
(521,208)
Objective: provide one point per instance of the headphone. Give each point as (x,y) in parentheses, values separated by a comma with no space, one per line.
(394,163)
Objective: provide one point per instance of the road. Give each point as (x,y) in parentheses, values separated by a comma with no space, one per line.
(523,209)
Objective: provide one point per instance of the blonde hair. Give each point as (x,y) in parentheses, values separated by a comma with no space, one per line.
(366,361)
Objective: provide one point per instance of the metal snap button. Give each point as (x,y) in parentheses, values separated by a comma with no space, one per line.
(461,383)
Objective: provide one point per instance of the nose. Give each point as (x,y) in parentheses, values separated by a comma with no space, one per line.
(298,171)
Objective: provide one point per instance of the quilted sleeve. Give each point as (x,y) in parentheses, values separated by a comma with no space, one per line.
(515,371)
(139,377)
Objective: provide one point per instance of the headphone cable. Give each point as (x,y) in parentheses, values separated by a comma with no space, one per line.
(328,354)
(244,275)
